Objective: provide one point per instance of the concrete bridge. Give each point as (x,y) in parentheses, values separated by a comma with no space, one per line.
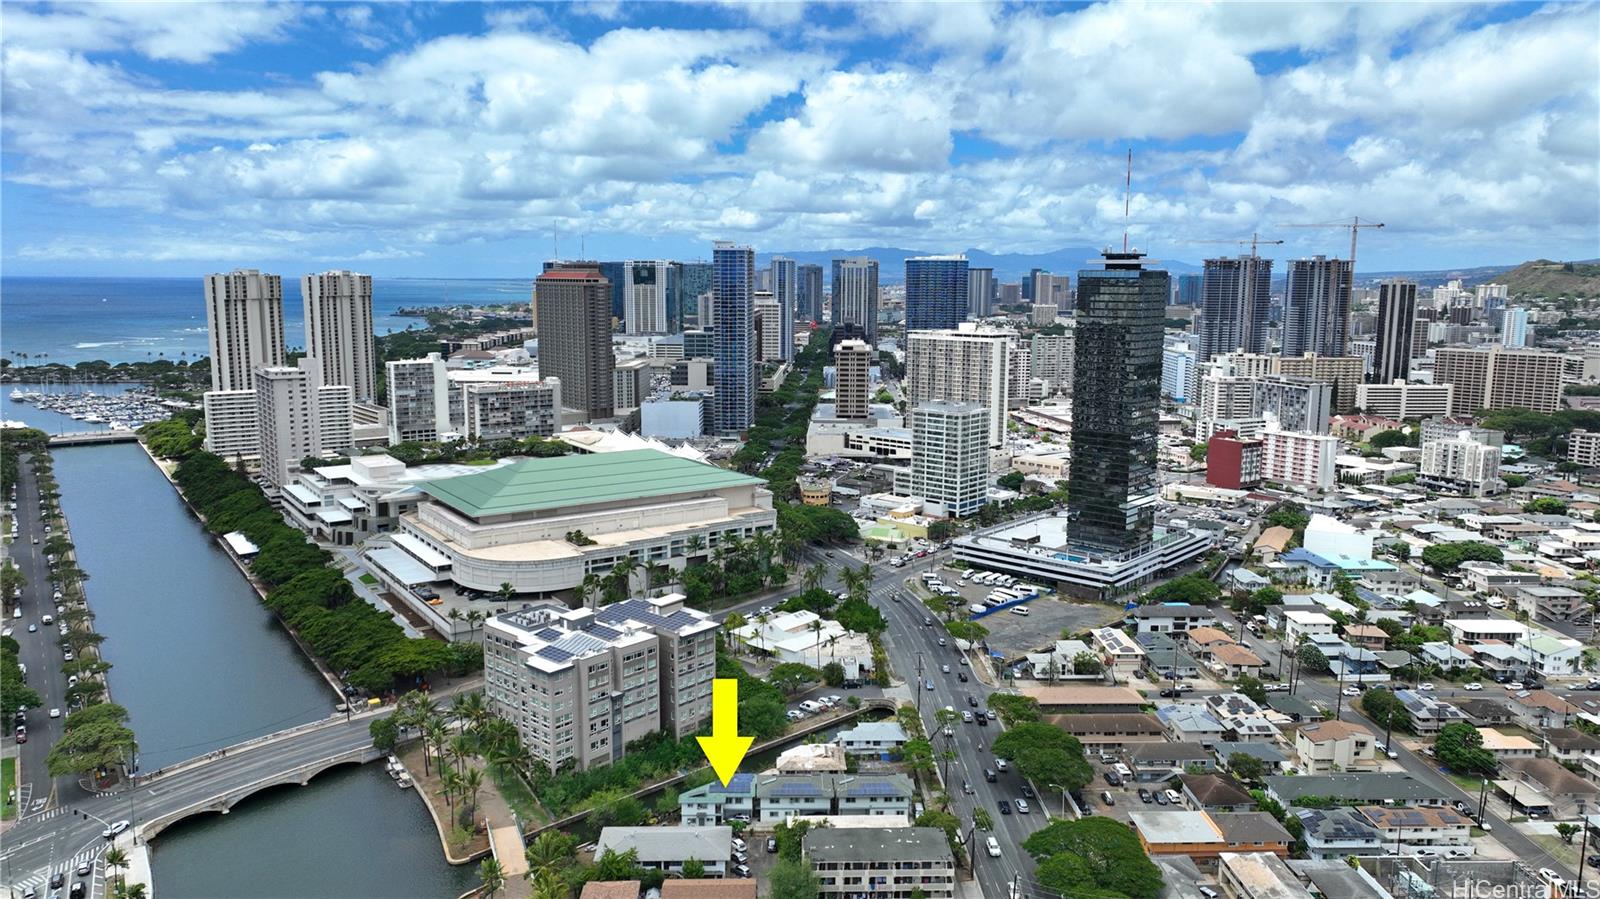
(89,438)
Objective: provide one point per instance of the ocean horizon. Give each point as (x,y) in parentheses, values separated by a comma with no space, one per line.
(72,319)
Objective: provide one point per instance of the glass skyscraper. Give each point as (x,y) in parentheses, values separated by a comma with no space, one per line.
(1116,397)
(936,292)
(784,291)
(808,293)
(855,297)
(1316,306)
(733,281)
(1235,298)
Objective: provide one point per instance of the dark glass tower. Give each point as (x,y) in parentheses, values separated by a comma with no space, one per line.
(936,292)
(1235,297)
(733,281)
(1116,396)
(1316,306)
(1397,322)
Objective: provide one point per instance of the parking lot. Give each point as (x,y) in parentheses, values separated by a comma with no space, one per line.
(1013,635)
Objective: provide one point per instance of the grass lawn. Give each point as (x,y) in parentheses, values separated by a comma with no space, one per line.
(1472,785)
(518,796)
(8,782)
(369,580)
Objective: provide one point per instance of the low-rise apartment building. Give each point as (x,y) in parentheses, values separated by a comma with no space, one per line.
(886,863)
(667,848)
(1329,747)
(581,684)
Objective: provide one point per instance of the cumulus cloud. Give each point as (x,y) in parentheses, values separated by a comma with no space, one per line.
(931,125)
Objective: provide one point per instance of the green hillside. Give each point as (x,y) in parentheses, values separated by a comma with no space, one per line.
(1543,278)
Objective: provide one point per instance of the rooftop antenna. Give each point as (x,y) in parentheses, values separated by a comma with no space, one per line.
(1127,200)
(555,243)
(583,246)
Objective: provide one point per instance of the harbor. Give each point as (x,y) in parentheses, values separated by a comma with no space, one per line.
(131,408)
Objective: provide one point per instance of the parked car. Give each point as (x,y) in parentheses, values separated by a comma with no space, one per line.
(772,844)
(1476,686)
(1425,687)
(1145,796)
(1113,778)
(1161,798)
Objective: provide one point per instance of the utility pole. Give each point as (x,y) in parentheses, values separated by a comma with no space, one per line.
(921,687)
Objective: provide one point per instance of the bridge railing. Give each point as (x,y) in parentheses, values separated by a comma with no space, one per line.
(246,745)
(226,799)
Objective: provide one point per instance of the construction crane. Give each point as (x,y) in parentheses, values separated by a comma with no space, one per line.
(1253,240)
(1355,225)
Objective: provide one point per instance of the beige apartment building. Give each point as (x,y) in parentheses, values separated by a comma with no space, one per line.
(581,684)
(1498,378)
(965,365)
(852,362)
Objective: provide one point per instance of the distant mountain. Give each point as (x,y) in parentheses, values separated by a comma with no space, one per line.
(1008,267)
(1543,278)
(1468,276)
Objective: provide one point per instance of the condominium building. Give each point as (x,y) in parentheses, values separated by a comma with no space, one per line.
(1583,448)
(418,392)
(1233,462)
(1116,401)
(769,322)
(511,410)
(980,292)
(1042,314)
(785,292)
(1496,378)
(950,456)
(1178,371)
(1235,295)
(1345,373)
(1291,457)
(733,290)
(1442,427)
(809,295)
(575,337)
(694,293)
(885,863)
(232,428)
(1514,327)
(581,684)
(855,295)
(852,361)
(1298,404)
(338,317)
(1461,463)
(650,295)
(1404,401)
(1397,322)
(244,324)
(1316,306)
(965,364)
(299,416)
(936,292)
(1050,358)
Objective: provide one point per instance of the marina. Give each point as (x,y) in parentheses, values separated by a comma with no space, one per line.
(121,411)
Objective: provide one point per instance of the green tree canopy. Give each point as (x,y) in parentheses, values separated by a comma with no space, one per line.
(1546,505)
(1106,854)
(1313,660)
(792,677)
(792,879)
(95,738)
(1046,755)
(1253,688)
(1386,710)
(1247,767)
(1385,439)
(1191,588)
(1459,747)
(1447,557)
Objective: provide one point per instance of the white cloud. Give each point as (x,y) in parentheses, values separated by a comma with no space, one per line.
(894,121)
(181,32)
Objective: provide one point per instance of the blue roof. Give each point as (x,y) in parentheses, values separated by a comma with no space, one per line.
(1343,563)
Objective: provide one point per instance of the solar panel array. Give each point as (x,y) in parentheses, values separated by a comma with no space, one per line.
(797,788)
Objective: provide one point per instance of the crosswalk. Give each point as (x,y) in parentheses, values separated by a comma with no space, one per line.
(90,856)
(37,815)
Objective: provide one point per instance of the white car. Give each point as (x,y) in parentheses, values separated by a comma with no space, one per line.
(1022,806)
(116,828)
(994,847)
(1473,686)
(1020,610)
(55,713)
(1425,687)
(1350,691)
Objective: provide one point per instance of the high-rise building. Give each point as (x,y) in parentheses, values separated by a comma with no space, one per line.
(699,344)
(1345,373)
(786,293)
(1460,463)
(1042,315)
(1292,457)
(1403,401)
(419,391)
(650,292)
(950,456)
(1316,306)
(244,320)
(1233,462)
(1235,295)
(936,292)
(1189,287)
(575,337)
(299,416)
(966,364)
(852,362)
(1116,398)
(338,315)
(1050,359)
(1498,378)
(769,327)
(1397,322)
(1297,404)
(855,295)
(1514,327)
(980,292)
(733,291)
(1177,371)
(511,410)
(581,684)
(232,428)
(694,288)
(809,296)
(1583,448)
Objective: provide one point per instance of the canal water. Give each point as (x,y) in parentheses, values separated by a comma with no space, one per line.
(199,664)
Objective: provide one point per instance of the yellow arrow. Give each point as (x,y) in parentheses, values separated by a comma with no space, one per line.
(725,749)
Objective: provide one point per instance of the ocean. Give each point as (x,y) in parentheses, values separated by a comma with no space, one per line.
(72,320)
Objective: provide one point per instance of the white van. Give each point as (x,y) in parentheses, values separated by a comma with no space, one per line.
(812,706)
(966,575)
(994,847)
(1020,610)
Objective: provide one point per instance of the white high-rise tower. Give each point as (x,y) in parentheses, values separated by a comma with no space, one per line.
(338,310)
(244,315)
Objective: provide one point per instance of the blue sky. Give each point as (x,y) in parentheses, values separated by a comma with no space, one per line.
(454,139)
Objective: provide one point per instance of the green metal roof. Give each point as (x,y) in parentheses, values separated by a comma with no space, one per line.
(576,480)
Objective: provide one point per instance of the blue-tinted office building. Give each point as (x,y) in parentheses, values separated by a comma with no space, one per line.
(936,292)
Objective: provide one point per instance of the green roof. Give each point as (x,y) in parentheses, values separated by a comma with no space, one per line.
(578,480)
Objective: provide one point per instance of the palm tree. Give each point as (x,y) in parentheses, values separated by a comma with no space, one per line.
(454,615)
(493,877)
(549,852)
(471,786)
(463,748)
(762,619)
(621,577)
(816,628)
(117,860)
(476,710)
(475,620)
(812,579)
(549,885)
(438,735)
(694,547)
(656,575)
(505,592)
(587,589)
(451,781)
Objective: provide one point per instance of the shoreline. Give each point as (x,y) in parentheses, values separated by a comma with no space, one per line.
(322,668)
